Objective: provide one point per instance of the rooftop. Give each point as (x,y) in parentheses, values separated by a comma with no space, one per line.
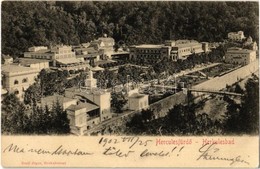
(100,62)
(149,46)
(81,105)
(239,50)
(68,60)
(97,68)
(40,51)
(17,69)
(106,40)
(187,44)
(54,98)
(137,95)
(91,50)
(94,55)
(26,61)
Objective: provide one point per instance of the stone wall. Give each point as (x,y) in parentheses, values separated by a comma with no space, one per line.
(162,107)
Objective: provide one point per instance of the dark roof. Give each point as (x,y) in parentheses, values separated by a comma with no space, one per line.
(81,105)
(137,95)
(26,61)
(54,98)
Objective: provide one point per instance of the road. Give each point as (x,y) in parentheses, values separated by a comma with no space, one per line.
(195,69)
(182,73)
(230,78)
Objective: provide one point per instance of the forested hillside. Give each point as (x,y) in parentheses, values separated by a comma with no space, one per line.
(26,24)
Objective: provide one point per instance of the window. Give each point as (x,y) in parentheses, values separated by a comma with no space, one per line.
(16,82)
(25,80)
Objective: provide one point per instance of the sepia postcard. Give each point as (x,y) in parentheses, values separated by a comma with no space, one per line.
(130,84)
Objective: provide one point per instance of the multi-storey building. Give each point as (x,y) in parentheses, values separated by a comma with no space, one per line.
(60,56)
(16,79)
(106,46)
(182,51)
(173,50)
(240,56)
(236,36)
(148,51)
(101,48)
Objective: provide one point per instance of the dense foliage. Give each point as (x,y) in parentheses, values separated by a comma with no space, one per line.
(244,117)
(118,101)
(17,120)
(31,23)
(48,83)
(181,120)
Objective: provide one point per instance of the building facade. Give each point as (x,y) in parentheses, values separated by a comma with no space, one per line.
(173,50)
(138,101)
(106,46)
(60,56)
(236,36)
(182,51)
(240,56)
(16,79)
(149,51)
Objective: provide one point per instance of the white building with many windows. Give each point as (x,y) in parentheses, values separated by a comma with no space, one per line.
(60,56)
(240,56)
(171,49)
(236,36)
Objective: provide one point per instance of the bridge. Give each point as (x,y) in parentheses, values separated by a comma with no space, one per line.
(202,90)
(216,92)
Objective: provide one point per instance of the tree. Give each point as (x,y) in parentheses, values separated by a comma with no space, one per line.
(14,119)
(249,114)
(136,124)
(238,89)
(233,123)
(32,95)
(60,121)
(177,119)
(118,101)
(39,23)
(204,124)
(244,118)
(147,115)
